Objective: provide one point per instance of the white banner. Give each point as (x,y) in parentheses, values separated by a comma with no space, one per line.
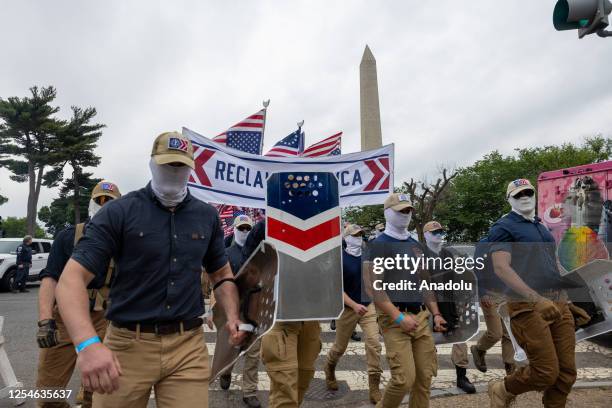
(228,176)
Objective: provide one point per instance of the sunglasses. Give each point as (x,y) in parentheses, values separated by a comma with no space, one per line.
(100,200)
(524,193)
(407,210)
(243,228)
(438,232)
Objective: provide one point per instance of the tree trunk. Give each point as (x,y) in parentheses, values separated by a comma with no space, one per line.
(77,201)
(32,200)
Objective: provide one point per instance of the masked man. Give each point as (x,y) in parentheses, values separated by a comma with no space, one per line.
(434,237)
(289,349)
(524,258)
(402,316)
(242,227)
(160,237)
(24,263)
(57,356)
(357,310)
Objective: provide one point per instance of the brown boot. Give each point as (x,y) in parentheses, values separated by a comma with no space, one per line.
(330,376)
(498,395)
(479,358)
(509,368)
(374,385)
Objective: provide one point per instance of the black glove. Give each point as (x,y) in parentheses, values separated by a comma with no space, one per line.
(47,335)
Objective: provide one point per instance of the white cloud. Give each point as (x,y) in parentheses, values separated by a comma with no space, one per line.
(455,81)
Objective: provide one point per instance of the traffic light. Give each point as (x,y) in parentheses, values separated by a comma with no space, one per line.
(586,16)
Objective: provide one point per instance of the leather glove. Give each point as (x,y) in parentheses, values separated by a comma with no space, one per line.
(547,309)
(48,335)
(581,317)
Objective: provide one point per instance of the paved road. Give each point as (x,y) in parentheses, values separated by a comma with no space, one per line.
(594,361)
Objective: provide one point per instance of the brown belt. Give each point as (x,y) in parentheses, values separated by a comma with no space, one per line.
(162,328)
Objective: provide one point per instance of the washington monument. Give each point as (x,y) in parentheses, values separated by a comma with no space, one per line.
(371,135)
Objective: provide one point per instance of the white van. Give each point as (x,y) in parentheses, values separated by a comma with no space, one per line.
(8,259)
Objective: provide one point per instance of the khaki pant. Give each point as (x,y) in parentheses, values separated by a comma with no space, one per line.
(496,331)
(459,355)
(289,352)
(175,365)
(550,348)
(344,329)
(412,360)
(249,370)
(56,364)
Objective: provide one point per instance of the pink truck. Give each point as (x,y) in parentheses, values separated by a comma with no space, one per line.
(576,205)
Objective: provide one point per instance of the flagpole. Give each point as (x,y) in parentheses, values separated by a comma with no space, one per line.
(263,130)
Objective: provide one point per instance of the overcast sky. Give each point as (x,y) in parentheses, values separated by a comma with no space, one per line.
(456,79)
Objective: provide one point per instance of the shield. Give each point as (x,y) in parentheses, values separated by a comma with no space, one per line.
(303,224)
(458,307)
(256,287)
(594,296)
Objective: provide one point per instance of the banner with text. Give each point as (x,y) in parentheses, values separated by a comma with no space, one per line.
(232,177)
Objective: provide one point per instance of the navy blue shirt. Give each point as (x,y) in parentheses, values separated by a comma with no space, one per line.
(388,247)
(24,254)
(532,247)
(158,253)
(351,276)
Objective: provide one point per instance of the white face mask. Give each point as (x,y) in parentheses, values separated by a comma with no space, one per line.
(434,241)
(169,183)
(240,236)
(396,225)
(353,245)
(524,206)
(93,208)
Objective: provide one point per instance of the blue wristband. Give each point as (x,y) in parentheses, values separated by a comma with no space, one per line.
(399,318)
(82,346)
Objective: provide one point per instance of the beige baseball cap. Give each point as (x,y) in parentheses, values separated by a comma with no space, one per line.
(518,185)
(243,220)
(398,202)
(352,229)
(432,226)
(105,188)
(173,147)
(380,226)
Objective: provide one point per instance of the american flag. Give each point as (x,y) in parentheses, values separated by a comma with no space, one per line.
(330,146)
(246,136)
(290,146)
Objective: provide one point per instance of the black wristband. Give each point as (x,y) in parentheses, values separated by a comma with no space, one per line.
(222,281)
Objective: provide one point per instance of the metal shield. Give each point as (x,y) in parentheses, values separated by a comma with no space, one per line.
(303,223)
(256,287)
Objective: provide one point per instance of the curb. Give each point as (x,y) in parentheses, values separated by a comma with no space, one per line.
(482,389)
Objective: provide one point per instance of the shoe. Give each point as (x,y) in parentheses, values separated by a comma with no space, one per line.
(225,380)
(24,291)
(355,336)
(509,368)
(499,397)
(479,358)
(463,382)
(332,325)
(330,376)
(14,291)
(251,401)
(374,387)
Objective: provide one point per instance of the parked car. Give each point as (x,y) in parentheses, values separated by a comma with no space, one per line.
(8,259)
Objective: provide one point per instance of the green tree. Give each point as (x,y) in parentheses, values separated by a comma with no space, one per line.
(61,212)
(476,197)
(366,216)
(77,142)
(28,143)
(17,228)
(3,199)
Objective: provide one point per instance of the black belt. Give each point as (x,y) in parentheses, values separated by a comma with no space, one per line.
(412,309)
(162,328)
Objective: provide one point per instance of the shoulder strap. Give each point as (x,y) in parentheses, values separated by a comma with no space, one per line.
(78,232)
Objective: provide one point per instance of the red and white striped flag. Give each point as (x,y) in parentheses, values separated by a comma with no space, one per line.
(330,146)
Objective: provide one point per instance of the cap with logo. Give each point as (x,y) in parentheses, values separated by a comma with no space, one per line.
(432,226)
(398,202)
(352,229)
(173,147)
(243,220)
(380,226)
(518,185)
(105,188)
